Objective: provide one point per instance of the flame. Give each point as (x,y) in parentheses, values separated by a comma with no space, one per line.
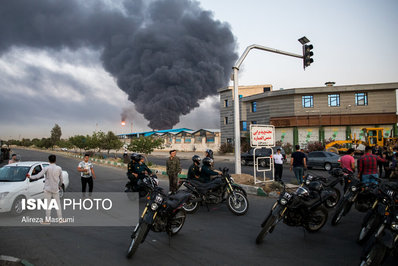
(123,123)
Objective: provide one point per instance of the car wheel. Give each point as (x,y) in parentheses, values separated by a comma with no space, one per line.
(328,166)
(16,208)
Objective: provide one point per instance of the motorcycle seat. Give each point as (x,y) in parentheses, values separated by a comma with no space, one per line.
(176,199)
(204,187)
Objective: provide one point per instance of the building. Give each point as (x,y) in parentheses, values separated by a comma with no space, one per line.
(303,115)
(181,139)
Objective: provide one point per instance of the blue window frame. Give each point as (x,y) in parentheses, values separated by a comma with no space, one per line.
(361,98)
(308,101)
(244,125)
(254,107)
(334,100)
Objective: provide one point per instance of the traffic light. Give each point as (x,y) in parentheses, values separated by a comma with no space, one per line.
(307,55)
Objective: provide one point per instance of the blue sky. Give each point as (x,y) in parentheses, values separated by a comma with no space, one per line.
(355,42)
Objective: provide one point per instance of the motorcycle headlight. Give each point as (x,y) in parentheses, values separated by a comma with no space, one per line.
(394,226)
(353,188)
(3,195)
(307,182)
(283,201)
(154,206)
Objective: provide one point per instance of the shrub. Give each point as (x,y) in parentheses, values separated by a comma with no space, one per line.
(226,148)
(288,148)
(315,146)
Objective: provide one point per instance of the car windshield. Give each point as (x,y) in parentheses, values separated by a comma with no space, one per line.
(13,173)
(331,154)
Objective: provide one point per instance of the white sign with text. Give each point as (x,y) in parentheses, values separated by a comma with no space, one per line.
(262,135)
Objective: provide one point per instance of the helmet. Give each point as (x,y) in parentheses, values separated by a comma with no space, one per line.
(207,161)
(196,159)
(209,153)
(317,186)
(134,157)
(140,157)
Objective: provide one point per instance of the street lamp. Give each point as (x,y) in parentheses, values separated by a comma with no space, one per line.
(303,41)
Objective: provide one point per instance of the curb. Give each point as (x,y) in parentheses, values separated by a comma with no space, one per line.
(8,260)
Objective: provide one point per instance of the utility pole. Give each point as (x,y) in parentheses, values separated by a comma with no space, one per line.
(306,52)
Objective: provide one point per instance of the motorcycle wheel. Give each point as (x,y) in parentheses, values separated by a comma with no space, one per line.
(340,212)
(375,256)
(368,226)
(267,226)
(238,205)
(191,207)
(332,202)
(320,213)
(139,235)
(176,223)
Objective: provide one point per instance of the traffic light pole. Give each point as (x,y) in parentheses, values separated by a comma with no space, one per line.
(238,169)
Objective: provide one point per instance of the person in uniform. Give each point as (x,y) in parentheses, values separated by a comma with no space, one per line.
(194,169)
(207,172)
(173,168)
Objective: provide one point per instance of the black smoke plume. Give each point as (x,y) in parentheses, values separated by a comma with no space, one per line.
(165,54)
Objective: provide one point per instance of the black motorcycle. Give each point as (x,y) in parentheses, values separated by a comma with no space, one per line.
(363,195)
(298,209)
(162,213)
(384,242)
(140,186)
(385,201)
(220,189)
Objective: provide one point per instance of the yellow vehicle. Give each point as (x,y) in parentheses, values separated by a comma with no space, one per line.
(373,136)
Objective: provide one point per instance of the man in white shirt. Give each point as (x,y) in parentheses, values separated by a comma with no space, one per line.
(52,183)
(87,173)
(278,163)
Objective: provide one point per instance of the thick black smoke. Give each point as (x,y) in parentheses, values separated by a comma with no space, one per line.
(165,54)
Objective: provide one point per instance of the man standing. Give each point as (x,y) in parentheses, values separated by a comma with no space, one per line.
(367,166)
(87,173)
(278,163)
(52,183)
(347,161)
(298,162)
(13,159)
(173,168)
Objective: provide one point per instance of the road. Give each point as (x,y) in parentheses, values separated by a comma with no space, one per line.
(207,238)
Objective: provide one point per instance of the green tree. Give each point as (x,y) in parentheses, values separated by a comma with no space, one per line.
(109,141)
(94,141)
(56,134)
(145,145)
(64,143)
(45,143)
(79,141)
(26,142)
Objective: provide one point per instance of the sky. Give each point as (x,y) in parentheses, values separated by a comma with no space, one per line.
(354,43)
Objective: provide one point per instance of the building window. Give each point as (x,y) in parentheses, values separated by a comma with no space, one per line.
(187,140)
(265,89)
(178,140)
(226,120)
(254,122)
(240,96)
(334,100)
(308,101)
(225,103)
(198,139)
(361,98)
(210,139)
(243,126)
(254,107)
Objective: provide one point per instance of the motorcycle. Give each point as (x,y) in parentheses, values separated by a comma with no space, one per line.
(141,187)
(299,208)
(384,203)
(384,242)
(162,213)
(362,194)
(220,189)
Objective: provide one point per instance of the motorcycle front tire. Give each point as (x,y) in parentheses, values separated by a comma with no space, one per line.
(135,242)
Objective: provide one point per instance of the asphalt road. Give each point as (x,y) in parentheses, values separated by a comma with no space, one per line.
(207,238)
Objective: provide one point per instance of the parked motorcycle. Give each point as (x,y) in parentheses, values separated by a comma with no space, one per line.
(162,213)
(385,203)
(384,243)
(363,195)
(298,209)
(220,189)
(141,187)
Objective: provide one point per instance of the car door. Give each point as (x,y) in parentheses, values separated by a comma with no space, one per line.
(36,186)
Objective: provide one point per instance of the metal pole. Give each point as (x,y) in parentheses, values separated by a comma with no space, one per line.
(238,169)
(235,68)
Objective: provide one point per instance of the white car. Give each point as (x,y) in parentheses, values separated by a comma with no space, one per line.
(15,185)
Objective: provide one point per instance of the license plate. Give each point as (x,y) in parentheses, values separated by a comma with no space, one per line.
(287,196)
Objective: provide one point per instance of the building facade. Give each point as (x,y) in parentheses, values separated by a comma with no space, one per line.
(303,115)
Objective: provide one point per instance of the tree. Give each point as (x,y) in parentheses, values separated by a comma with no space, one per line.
(64,143)
(26,142)
(109,141)
(45,143)
(94,141)
(145,145)
(79,141)
(56,134)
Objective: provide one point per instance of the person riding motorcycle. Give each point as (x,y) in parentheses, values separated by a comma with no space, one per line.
(141,169)
(194,169)
(132,174)
(209,153)
(206,171)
